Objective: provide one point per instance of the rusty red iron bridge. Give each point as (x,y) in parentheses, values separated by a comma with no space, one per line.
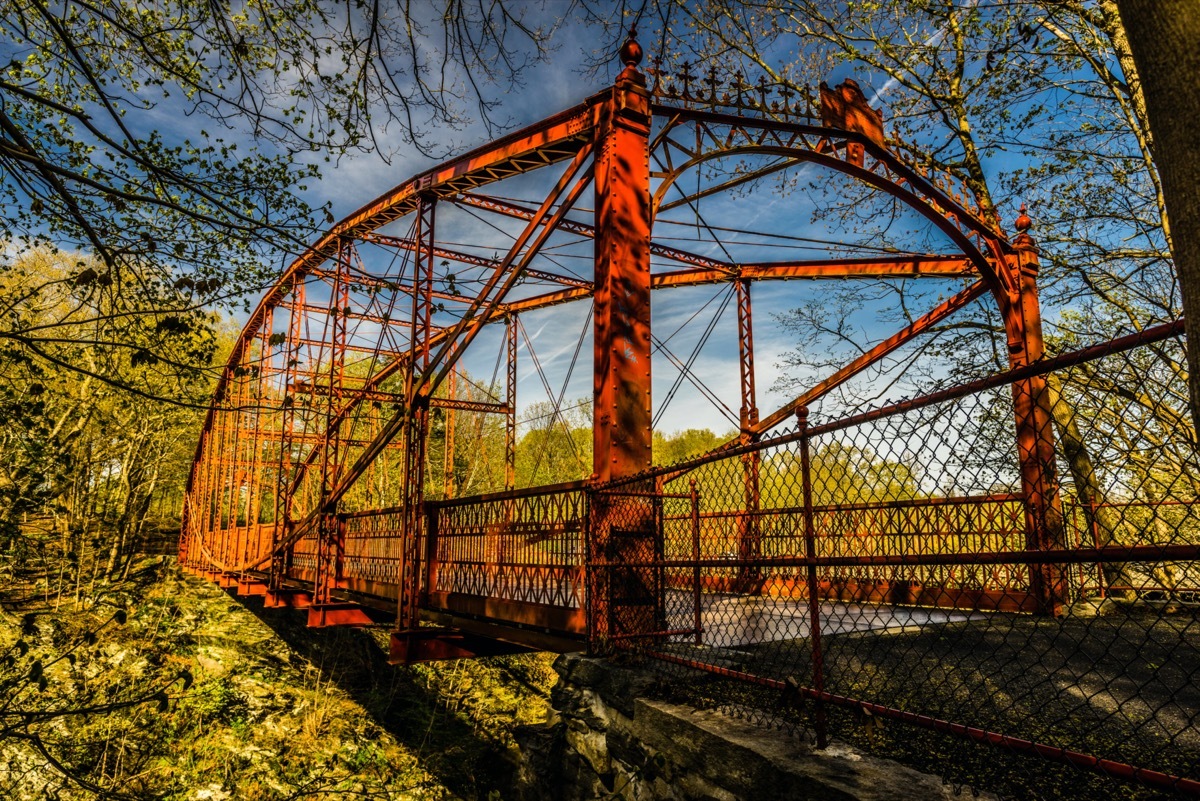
(313,482)
(309,482)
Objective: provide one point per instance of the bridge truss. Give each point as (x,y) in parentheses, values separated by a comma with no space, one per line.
(337,470)
(310,481)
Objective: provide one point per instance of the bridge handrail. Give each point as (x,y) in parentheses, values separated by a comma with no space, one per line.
(504,495)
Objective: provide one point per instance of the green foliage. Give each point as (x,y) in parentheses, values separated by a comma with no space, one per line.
(1020,103)
(215,701)
(63,681)
(264,719)
(839,474)
(555,447)
(86,455)
(86,87)
(492,696)
(478,442)
(686,444)
(1035,103)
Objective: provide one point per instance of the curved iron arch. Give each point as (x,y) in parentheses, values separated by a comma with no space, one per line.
(562,137)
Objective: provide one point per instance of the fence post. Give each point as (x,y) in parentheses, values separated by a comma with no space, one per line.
(327,566)
(339,556)
(596,576)
(696,557)
(810,554)
(589,582)
(413,506)
(429,578)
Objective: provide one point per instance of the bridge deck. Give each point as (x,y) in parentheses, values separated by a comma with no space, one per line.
(732,621)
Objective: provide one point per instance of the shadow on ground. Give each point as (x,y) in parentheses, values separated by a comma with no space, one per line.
(456,717)
(1124,688)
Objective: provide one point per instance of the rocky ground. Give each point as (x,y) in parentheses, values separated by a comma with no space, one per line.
(164,686)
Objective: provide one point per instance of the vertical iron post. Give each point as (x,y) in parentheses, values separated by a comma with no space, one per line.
(621,389)
(1101,585)
(510,401)
(240,453)
(417,399)
(431,548)
(258,466)
(624,530)
(339,573)
(1044,524)
(448,488)
(749,544)
(284,492)
(327,524)
(227,516)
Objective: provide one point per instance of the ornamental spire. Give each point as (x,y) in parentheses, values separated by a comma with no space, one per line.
(631,55)
(1024,240)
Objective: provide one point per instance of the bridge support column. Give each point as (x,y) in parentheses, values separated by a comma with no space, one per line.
(412,578)
(331,547)
(623,602)
(510,400)
(622,436)
(749,542)
(260,374)
(1044,527)
(281,557)
(330,542)
(414,519)
(414,544)
(449,485)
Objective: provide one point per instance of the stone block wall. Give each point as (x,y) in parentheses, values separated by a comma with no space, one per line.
(607,740)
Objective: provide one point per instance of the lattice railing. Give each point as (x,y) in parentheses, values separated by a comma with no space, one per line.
(371,542)
(525,547)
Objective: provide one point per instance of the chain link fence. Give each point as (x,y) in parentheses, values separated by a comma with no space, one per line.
(917,580)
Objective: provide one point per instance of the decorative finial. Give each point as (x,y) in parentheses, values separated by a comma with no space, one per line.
(631,51)
(1023,222)
(1023,241)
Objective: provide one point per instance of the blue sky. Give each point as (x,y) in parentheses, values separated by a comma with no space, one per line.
(554,334)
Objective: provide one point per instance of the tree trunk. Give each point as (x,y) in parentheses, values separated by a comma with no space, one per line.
(138,528)
(1099,517)
(1164,36)
(129,479)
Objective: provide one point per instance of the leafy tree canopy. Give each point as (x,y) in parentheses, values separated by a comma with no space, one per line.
(171,142)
